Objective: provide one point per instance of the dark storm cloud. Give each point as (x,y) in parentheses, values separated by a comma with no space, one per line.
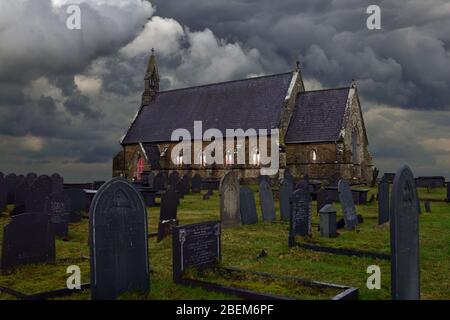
(80,105)
(407,63)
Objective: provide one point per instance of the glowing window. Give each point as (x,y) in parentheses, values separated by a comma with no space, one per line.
(313,155)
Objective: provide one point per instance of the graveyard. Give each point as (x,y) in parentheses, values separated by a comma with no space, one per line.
(255,250)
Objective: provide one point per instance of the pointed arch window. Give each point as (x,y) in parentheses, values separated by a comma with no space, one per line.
(313,155)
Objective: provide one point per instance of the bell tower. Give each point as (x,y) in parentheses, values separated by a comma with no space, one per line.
(151,80)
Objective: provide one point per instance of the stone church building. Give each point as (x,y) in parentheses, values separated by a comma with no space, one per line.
(322,132)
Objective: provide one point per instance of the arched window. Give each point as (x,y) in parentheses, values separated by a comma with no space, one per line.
(180,159)
(139,168)
(313,155)
(255,157)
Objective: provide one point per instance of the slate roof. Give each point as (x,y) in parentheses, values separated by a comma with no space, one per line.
(318,116)
(250,103)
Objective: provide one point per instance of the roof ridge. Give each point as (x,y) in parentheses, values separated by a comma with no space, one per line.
(328,89)
(225,82)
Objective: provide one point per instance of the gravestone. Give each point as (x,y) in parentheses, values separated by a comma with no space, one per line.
(38,193)
(56,206)
(427,206)
(57,183)
(375,174)
(118,235)
(196,183)
(404,224)
(77,203)
(266,201)
(328,226)
(300,222)
(186,183)
(448,192)
(28,239)
(174,177)
(383,201)
(286,190)
(195,246)
(229,200)
(31,177)
(167,213)
(262,178)
(247,206)
(389,177)
(98,184)
(22,191)
(322,199)
(348,205)
(160,182)
(288,176)
(3,193)
(11,181)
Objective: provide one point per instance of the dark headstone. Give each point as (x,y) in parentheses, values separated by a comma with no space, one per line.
(98,184)
(57,183)
(427,206)
(288,176)
(160,182)
(262,178)
(328,227)
(38,193)
(404,223)
(431,182)
(11,182)
(196,183)
(31,177)
(383,201)
(186,184)
(168,207)
(286,190)
(229,200)
(266,201)
(77,203)
(28,239)
(322,199)
(149,198)
(196,245)
(56,207)
(348,205)
(151,180)
(3,193)
(165,228)
(174,177)
(22,192)
(119,248)
(375,174)
(300,212)
(247,206)
(389,177)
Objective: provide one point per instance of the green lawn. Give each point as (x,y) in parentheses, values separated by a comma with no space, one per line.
(241,245)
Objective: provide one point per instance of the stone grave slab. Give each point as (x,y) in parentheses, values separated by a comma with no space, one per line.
(266,201)
(247,206)
(348,205)
(229,200)
(38,193)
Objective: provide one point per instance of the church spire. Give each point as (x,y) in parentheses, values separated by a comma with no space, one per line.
(151,80)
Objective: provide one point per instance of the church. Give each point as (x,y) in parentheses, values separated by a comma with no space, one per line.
(321,132)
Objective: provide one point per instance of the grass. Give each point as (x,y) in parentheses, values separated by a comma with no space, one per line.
(241,245)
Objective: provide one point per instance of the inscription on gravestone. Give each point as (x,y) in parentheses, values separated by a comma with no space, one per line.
(404,223)
(286,190)
(38,193)
(348,205)
(56,207)
(195,245)
(383,201)
(266,201)
(248,206)
(229,200)
(118,233)
(301,212)
(28,239)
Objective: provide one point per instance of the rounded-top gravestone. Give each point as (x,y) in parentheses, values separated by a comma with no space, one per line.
(404,224)
(31,177)
(38,193)
(286,190)
(266,201)
(57,183)
(247,206)
(229,200)
(119,235)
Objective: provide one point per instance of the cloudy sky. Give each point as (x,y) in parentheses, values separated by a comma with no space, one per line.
(67,96)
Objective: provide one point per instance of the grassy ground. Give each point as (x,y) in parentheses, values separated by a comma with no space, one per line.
(241,246)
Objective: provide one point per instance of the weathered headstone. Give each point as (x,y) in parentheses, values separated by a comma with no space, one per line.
(119,248)
(375,174)
(229,200)
(3,193)
(286,190)
(167,213)
(383,201)
(348,205)
(11,181)
(247,206)
(301,212)
(174,178)
(328,226)
(186,182)
(28,239)
(404,223)
(262,178)
(196,245)
(38,193)
(57,183)
(196,183)
(266,201)
(56,207)
(78,203)
(31,177)
(22,192)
